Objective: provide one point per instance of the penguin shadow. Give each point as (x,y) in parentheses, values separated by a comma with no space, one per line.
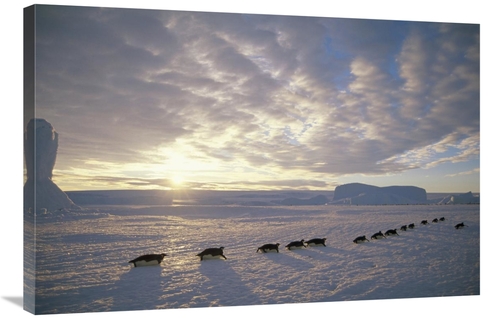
(328,251)
(146,279)
(225,282)
(293,257)
(322,252)
(335,250)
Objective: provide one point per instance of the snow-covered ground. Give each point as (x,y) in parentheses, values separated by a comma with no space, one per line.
(82,257)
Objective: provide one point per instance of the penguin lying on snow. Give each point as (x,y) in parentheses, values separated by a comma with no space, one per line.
(391,232)
(442,219)
(435,220)
(148,260)
(424,222)
(360,239)
(378,235)
(461,225)
(403,228)
(265,248)
(411,226)
(295,244)
(213,252)
(316,242)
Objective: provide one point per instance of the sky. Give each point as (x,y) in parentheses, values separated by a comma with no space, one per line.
(147,99)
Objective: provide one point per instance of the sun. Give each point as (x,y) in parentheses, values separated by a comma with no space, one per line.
(177,180)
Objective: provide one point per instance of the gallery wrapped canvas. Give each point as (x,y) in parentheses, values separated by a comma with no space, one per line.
(183,159)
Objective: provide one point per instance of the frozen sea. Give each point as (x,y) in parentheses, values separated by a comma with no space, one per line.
(82,256)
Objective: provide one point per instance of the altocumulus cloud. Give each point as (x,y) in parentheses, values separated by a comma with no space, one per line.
(276,95)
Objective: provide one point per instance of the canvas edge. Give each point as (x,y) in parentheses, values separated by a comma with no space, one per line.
(29,238)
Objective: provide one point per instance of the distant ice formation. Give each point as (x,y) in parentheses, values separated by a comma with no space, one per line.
(361,194)
(467,198)
(40,151)
(316,200)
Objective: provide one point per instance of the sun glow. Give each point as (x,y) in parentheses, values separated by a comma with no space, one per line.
(177,180)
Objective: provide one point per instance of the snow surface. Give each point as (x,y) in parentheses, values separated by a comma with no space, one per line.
(82,256)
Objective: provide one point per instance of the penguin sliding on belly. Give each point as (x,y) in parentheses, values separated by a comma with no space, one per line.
(295,245)
(460,226)
(360,239)
(267,247)
(211,253)
(316,242)
(378,235)
(148,260)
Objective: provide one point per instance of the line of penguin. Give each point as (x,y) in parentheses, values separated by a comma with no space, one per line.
(156,259)
(394,232)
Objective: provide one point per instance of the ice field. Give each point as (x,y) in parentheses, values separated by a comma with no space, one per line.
(82,256)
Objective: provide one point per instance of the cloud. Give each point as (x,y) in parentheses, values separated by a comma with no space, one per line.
(474,171)
(289,96)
